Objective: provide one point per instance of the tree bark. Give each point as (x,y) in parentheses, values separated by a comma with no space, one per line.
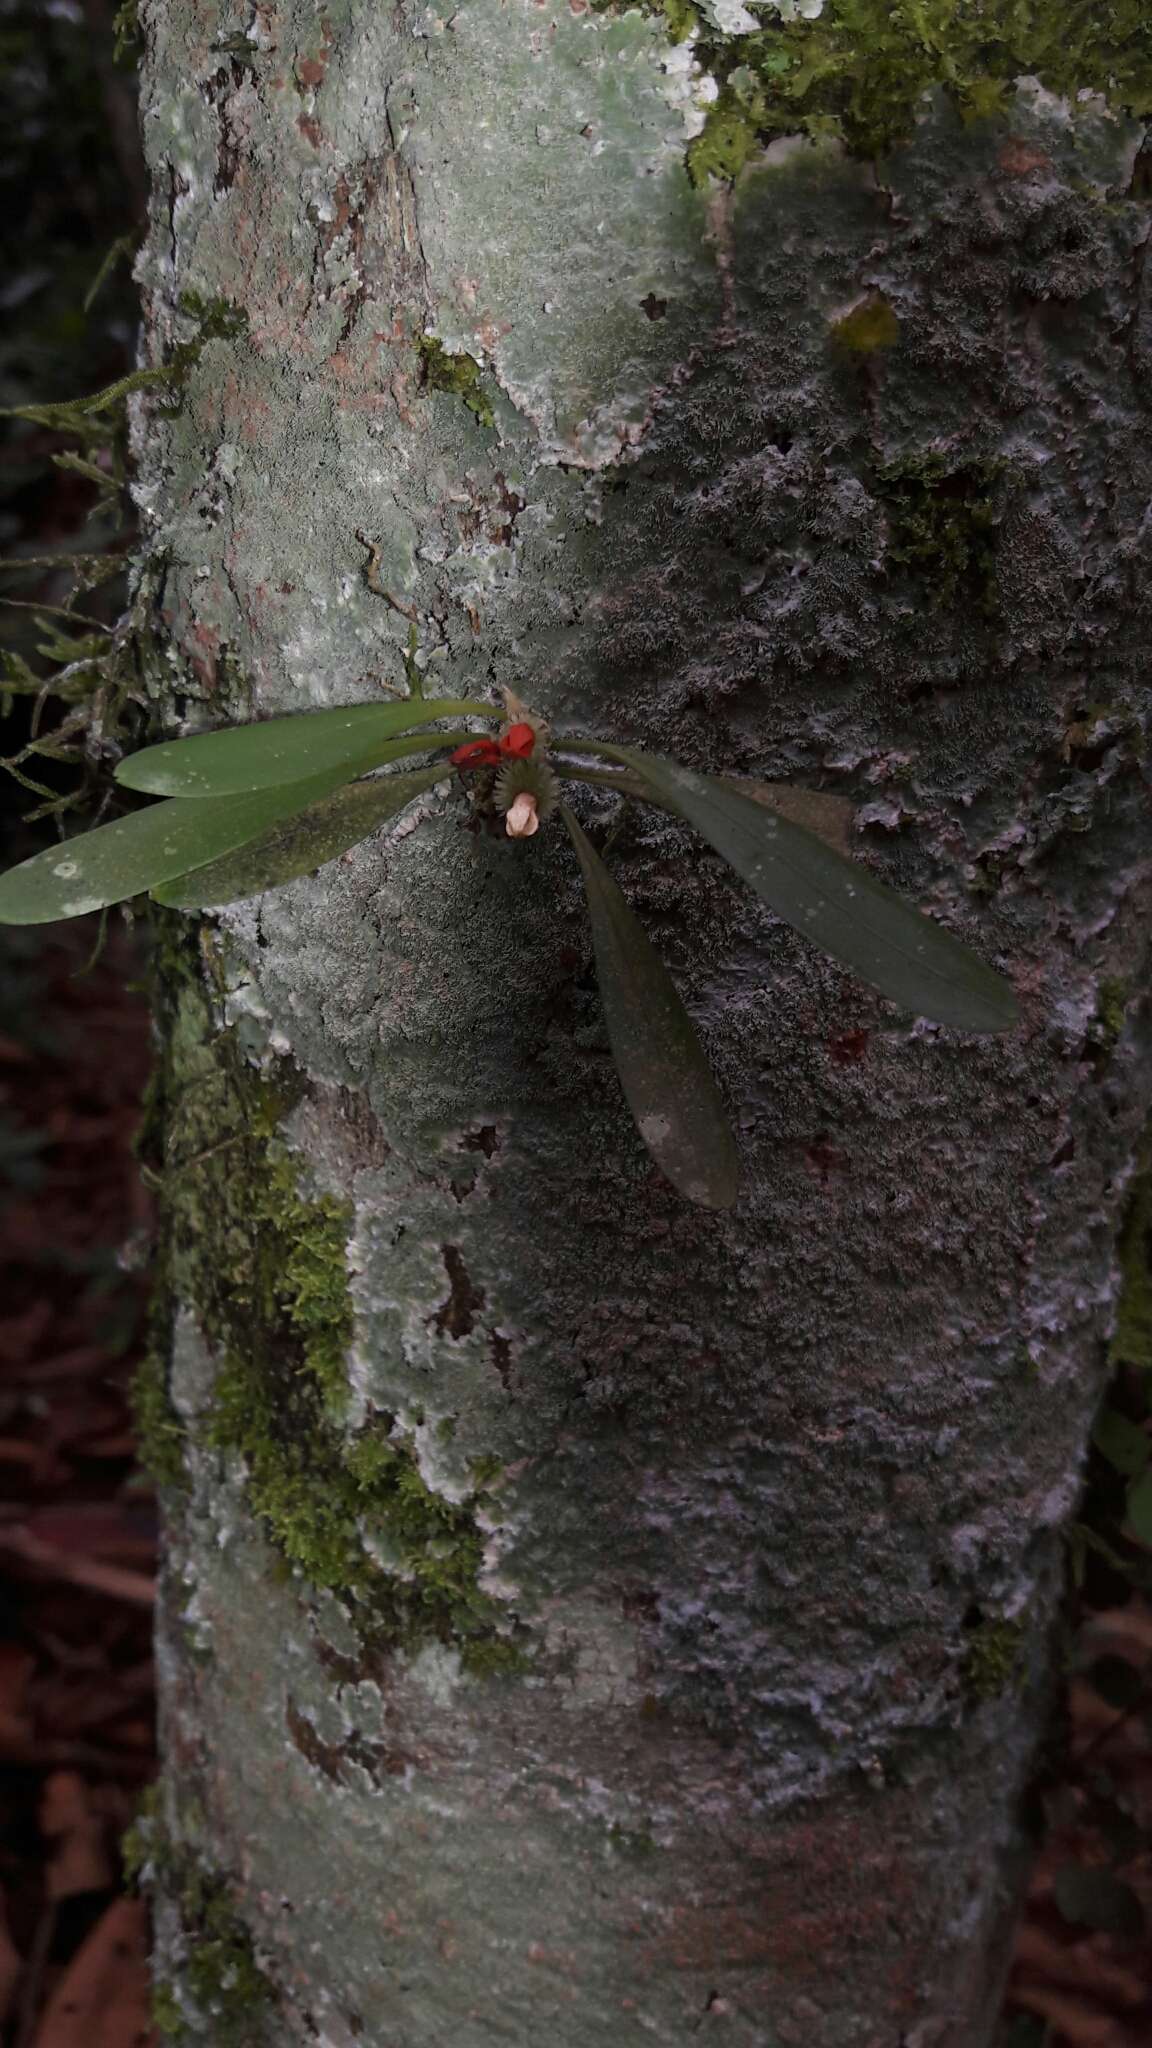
(589,1619)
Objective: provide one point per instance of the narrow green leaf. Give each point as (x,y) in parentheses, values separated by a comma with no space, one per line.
(298,844)
(144,850)
(1123,1443)
(663,1071)
(247,757)
(829,817)
(835,902)
(1138,1507)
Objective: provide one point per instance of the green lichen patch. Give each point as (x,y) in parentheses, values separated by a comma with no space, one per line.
(993,1658)
(1111,1013)
(263,1262)
(460,374)
(220,1989)
(943,515)
(861,68)
(869,326)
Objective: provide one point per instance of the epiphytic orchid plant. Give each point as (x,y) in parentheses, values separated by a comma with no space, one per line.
(256,805)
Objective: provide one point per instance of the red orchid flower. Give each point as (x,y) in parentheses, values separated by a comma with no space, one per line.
(477,754)
(519,741)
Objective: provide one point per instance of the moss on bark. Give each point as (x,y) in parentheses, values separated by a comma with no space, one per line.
(222,1991)
(460,374)
(262,1261)
(1132,1339)
(861,68)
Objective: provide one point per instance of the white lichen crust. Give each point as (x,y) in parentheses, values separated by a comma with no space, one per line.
(760,1476)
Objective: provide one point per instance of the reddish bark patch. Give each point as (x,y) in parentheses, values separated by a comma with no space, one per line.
(500,1347)
(823,1159)
(311,71)
(456,1317)
(485,1139)
(848,1048)
(1017,158)
(838,1886)
(203,649)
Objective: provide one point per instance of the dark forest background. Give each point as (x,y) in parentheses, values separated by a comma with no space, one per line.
(77,1518)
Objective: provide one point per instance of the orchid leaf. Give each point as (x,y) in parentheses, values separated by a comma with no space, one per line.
(145,850)
(664,1074)
(828,816)
(834,901)
(274,750)
(298,844)
(1126,1446)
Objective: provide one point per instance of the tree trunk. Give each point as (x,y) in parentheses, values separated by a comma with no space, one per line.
(589,1619)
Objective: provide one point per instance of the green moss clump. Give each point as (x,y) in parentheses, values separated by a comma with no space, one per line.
(942,522)
(167,2017)
(308,1277)
(127,34)
(861,68)
(1111,1010)
(993,1658)
(456,373)
(216,320)
(139,1841)
(726,141)
(264,1264)
(159,1430)
(681,18)
(219,1975)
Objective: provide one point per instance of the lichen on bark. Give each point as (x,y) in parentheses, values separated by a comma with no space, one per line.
(263,1265)
(219,1990)
(754,1473)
